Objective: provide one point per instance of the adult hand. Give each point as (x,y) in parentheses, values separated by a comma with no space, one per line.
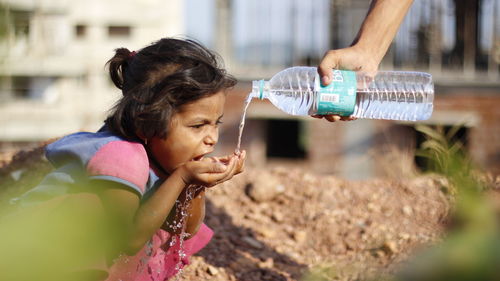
(351,58)
(370,44)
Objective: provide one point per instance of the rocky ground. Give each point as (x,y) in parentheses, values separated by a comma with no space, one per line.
(287,224)
(281,224)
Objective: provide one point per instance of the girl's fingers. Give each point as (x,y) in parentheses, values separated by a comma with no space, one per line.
(210,168)
(241,162)
(224,159)
(216,170)
(212,179)
(231,168)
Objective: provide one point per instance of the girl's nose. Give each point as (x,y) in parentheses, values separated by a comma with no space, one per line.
(212,137)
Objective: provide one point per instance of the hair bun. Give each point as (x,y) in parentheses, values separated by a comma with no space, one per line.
(118,64)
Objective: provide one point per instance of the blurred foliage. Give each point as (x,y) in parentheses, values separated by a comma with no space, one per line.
(62,239)
(321,273)
(4,21)
(471,250)
(21,173)
(65,238)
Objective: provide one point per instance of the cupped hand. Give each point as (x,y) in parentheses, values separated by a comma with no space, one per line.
(213,170)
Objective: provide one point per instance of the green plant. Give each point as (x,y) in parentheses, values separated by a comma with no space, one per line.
(471,250)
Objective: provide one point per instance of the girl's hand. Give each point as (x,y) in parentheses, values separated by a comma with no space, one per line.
(212,171)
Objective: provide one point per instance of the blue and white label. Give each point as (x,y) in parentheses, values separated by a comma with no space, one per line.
(340,96)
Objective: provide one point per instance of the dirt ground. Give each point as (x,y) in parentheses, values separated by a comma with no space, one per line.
(287,224)
(280,224)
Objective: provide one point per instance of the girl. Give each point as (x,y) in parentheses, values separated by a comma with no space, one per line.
(150,158)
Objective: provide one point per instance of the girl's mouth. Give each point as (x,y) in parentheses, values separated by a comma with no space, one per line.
(198,158)
(201,156)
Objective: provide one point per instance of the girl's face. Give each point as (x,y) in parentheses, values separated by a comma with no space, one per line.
(192,133)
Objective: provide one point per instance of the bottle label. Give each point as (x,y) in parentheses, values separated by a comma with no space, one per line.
(340,96)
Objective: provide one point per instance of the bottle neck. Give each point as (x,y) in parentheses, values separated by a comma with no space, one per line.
(260,89)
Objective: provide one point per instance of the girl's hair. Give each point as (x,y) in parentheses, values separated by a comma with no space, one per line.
(157,80)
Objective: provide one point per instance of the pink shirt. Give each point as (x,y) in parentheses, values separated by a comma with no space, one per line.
(157,263)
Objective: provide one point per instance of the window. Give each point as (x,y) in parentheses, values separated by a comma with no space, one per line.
(27,87)
(80,30)
(119,31)
(20,23)
(21,87)
(286,139)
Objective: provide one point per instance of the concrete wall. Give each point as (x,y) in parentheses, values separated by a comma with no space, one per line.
(66,70)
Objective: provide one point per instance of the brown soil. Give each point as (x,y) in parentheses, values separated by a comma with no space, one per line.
(281,224)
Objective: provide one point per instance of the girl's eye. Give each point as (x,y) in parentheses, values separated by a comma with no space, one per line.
(197,126)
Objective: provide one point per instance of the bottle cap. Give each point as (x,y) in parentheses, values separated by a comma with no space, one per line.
(258,88)
(261,89)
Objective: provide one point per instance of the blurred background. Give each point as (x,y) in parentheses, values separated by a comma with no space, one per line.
(53,80)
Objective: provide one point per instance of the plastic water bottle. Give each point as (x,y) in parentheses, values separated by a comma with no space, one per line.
(391,95)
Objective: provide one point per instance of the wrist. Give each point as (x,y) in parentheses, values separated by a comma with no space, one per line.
(183,175)
(367,55)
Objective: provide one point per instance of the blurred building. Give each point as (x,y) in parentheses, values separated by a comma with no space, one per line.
(54,82)
(53,52)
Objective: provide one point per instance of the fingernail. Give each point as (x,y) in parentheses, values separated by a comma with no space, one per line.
(325,80)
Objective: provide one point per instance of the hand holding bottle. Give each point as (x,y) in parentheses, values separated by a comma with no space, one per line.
(351,58)
(370,45)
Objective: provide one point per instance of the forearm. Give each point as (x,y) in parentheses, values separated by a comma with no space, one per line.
(380,26)
(196,214)
(152,214)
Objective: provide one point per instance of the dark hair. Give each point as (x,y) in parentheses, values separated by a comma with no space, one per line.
(157,80)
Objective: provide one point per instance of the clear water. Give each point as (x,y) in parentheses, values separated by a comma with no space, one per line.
(178,225)
(406,106)
(301,102)
(242,122)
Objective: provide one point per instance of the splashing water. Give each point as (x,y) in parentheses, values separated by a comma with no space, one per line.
(179,225)
(242,122)
(179,234)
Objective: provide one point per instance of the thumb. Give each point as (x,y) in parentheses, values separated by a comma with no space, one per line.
(328,63)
